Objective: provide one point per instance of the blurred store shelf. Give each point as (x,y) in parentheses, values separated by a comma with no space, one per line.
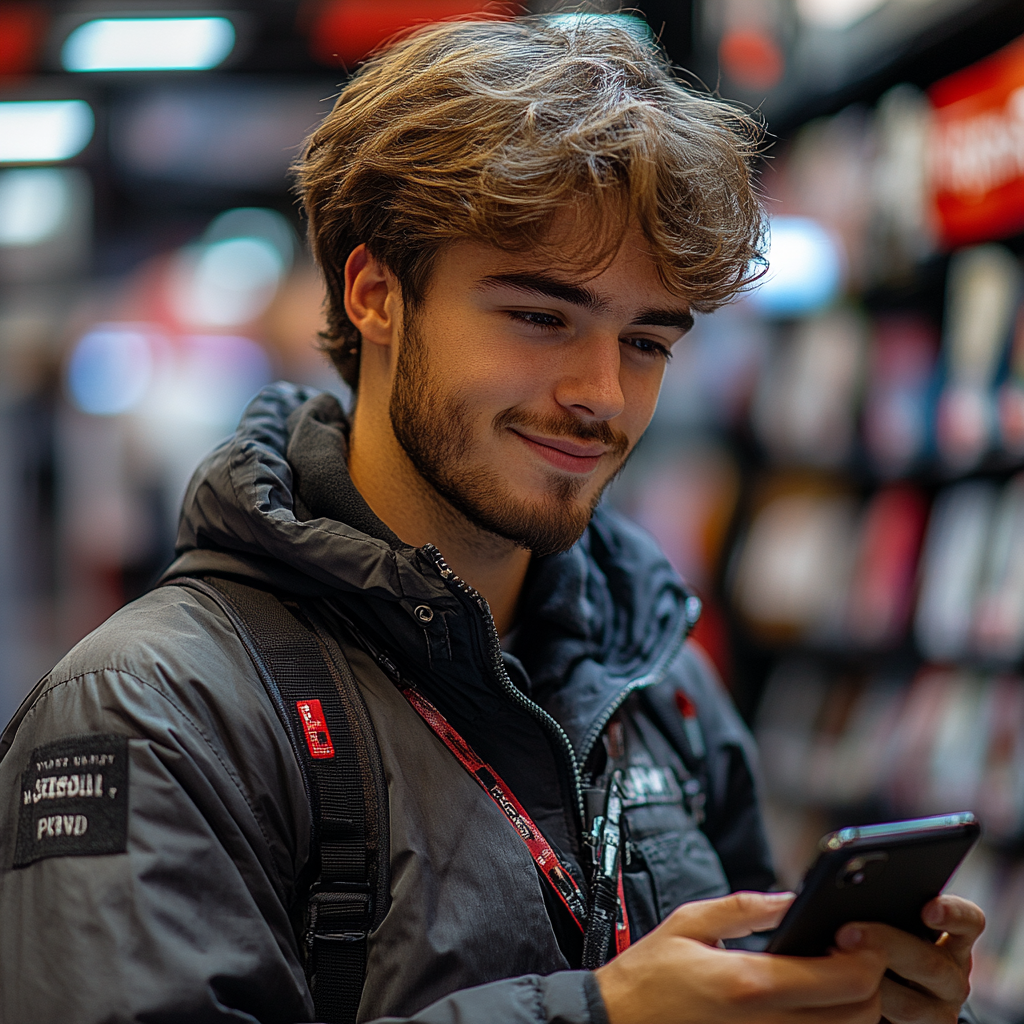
(838,461)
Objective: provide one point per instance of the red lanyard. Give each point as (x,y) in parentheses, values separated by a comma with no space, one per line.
(543,856)
(622,919)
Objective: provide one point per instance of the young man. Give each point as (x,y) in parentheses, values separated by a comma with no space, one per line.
(516,222)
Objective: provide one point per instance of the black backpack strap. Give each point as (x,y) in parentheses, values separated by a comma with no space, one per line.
(322,710)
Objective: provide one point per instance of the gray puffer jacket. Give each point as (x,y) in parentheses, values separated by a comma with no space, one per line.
(154,829)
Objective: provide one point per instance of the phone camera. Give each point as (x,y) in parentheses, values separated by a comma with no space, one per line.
(860,869)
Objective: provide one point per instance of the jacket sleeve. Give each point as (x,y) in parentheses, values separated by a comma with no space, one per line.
(569,997)
(187,921)
(177,910)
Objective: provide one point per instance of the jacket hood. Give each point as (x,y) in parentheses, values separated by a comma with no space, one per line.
(274,505)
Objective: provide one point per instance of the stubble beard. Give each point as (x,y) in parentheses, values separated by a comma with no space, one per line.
(433,427)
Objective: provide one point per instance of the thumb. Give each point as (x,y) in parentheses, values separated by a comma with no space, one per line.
(729,917)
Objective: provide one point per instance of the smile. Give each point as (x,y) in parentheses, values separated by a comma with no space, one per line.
(568,456)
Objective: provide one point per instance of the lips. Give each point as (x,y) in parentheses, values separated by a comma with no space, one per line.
(568,456)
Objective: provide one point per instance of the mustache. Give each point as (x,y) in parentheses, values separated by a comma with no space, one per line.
(567,426)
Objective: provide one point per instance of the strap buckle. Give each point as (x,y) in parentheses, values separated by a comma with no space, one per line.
(338,912)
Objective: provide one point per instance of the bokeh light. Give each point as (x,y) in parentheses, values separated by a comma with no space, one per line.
(148,44)
(110,369)
(805,269)
(44,130)
(33,204)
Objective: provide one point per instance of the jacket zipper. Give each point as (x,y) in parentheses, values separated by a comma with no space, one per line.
(510,689)
(691,612)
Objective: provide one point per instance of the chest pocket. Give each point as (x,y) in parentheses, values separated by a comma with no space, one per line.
(670,861)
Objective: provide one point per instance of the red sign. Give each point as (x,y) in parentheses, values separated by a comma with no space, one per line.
(318,739)
(345,31)
(976,152)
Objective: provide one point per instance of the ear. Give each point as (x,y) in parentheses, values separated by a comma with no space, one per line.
(373,299)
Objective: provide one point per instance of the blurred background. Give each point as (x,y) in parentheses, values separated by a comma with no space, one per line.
(837,463)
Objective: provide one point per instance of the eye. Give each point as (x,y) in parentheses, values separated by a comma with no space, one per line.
(535,318)
(648,347)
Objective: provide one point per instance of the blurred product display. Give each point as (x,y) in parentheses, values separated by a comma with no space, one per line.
(837,461)
(868,593)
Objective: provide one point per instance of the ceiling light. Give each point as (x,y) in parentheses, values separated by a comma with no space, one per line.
(836,14)
(43,130)
(148,44)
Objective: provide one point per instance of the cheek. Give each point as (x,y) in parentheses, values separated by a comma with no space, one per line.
(491,379)
(640,392)
(486,389)
(469,357)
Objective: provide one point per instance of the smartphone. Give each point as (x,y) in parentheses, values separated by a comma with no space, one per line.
(881,873)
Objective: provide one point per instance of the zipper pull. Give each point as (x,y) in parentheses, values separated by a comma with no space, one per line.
(695,800)
(390,668)
(606,834)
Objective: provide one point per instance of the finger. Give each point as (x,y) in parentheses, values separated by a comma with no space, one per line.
(917,960)
(729,917)
(962,921)
(867,1012)
(795,982)
(902,1005)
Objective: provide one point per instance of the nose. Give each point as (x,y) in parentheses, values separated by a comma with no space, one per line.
(589,386)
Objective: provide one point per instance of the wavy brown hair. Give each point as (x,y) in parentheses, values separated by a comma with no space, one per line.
(489,130)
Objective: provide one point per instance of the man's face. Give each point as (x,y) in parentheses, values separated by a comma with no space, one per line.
(520,390)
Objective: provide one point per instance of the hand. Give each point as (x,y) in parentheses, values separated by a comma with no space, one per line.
(678,974)
(939,972)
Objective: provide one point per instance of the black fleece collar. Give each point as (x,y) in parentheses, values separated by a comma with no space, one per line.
(318,454)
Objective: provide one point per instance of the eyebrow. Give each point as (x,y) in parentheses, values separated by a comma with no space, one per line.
(679,318)
(551,287)
(580,295)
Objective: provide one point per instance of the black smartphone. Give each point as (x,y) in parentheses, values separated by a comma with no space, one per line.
(881,873)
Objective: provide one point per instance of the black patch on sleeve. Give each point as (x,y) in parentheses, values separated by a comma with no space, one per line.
(74,799)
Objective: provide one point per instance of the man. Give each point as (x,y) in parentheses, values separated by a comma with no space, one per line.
(516,222)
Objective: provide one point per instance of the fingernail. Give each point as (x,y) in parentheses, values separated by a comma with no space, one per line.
(780,896)
(849,937)
(932,915)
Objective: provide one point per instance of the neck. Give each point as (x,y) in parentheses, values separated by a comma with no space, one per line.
(408,505)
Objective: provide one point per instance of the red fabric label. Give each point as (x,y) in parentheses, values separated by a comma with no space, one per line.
(684,705)
(318,739)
